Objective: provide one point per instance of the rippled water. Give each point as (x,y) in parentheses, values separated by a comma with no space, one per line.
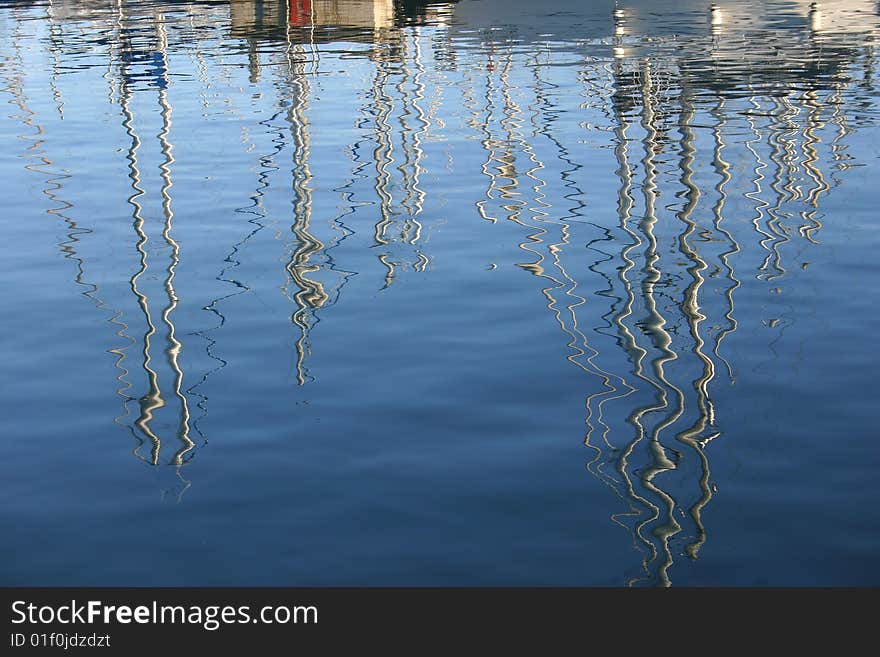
(374,292)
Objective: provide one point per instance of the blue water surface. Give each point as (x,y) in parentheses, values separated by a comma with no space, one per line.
(381,292)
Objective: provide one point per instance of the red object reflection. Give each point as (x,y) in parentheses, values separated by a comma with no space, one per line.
(300,12)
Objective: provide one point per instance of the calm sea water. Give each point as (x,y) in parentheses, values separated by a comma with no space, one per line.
(378,292)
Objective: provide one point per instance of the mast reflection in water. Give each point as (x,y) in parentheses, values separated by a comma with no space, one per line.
(397,258)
